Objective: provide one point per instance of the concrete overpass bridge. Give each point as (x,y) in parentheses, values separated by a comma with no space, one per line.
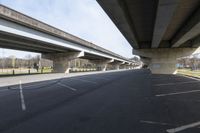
(21,32)
(158,30)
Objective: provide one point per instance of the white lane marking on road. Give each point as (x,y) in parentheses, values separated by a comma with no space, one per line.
(69,87)
(177,83)
(88,81)
(177,93)
(22,96)
(184,127)
(155,123)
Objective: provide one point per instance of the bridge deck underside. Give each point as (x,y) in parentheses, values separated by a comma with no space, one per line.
(163,23)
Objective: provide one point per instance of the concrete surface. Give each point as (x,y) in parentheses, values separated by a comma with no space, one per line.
(156,23)
(164,60)
(132,101)
(61,61)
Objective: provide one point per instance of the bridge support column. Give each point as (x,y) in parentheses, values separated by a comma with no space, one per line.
(129,66)
(102,64)
(61,61)
(123,66)
(163,60)
(116,66)
(145,60)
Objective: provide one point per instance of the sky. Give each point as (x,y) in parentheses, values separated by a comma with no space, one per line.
(82,18)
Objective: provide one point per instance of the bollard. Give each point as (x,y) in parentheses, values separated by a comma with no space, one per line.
(13,72)
(29,71)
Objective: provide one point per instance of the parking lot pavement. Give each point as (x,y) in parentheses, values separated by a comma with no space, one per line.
(176,101)
(14,80)
(133,101)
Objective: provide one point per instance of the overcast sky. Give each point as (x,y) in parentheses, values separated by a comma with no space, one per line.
(82,18)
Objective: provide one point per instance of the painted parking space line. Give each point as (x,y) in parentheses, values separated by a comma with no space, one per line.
(184,127)
(177,83)
(22,96)
(155,123)
(177,93)
(87,81)
(69,87)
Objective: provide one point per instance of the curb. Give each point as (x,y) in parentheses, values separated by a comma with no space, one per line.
(188,76)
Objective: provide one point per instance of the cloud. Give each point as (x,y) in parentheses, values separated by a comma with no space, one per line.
(82,18)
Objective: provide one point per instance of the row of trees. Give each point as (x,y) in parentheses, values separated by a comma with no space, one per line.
(192,62)
(37,61)
(27,62)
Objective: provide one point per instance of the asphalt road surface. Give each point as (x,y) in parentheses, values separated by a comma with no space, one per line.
(133,101)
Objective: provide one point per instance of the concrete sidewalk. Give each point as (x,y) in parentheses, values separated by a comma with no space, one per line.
(9,81)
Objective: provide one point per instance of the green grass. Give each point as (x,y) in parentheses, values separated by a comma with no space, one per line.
(189,72)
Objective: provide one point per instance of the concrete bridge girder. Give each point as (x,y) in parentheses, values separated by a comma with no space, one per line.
(61,61)
(51,43)
(21,32)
